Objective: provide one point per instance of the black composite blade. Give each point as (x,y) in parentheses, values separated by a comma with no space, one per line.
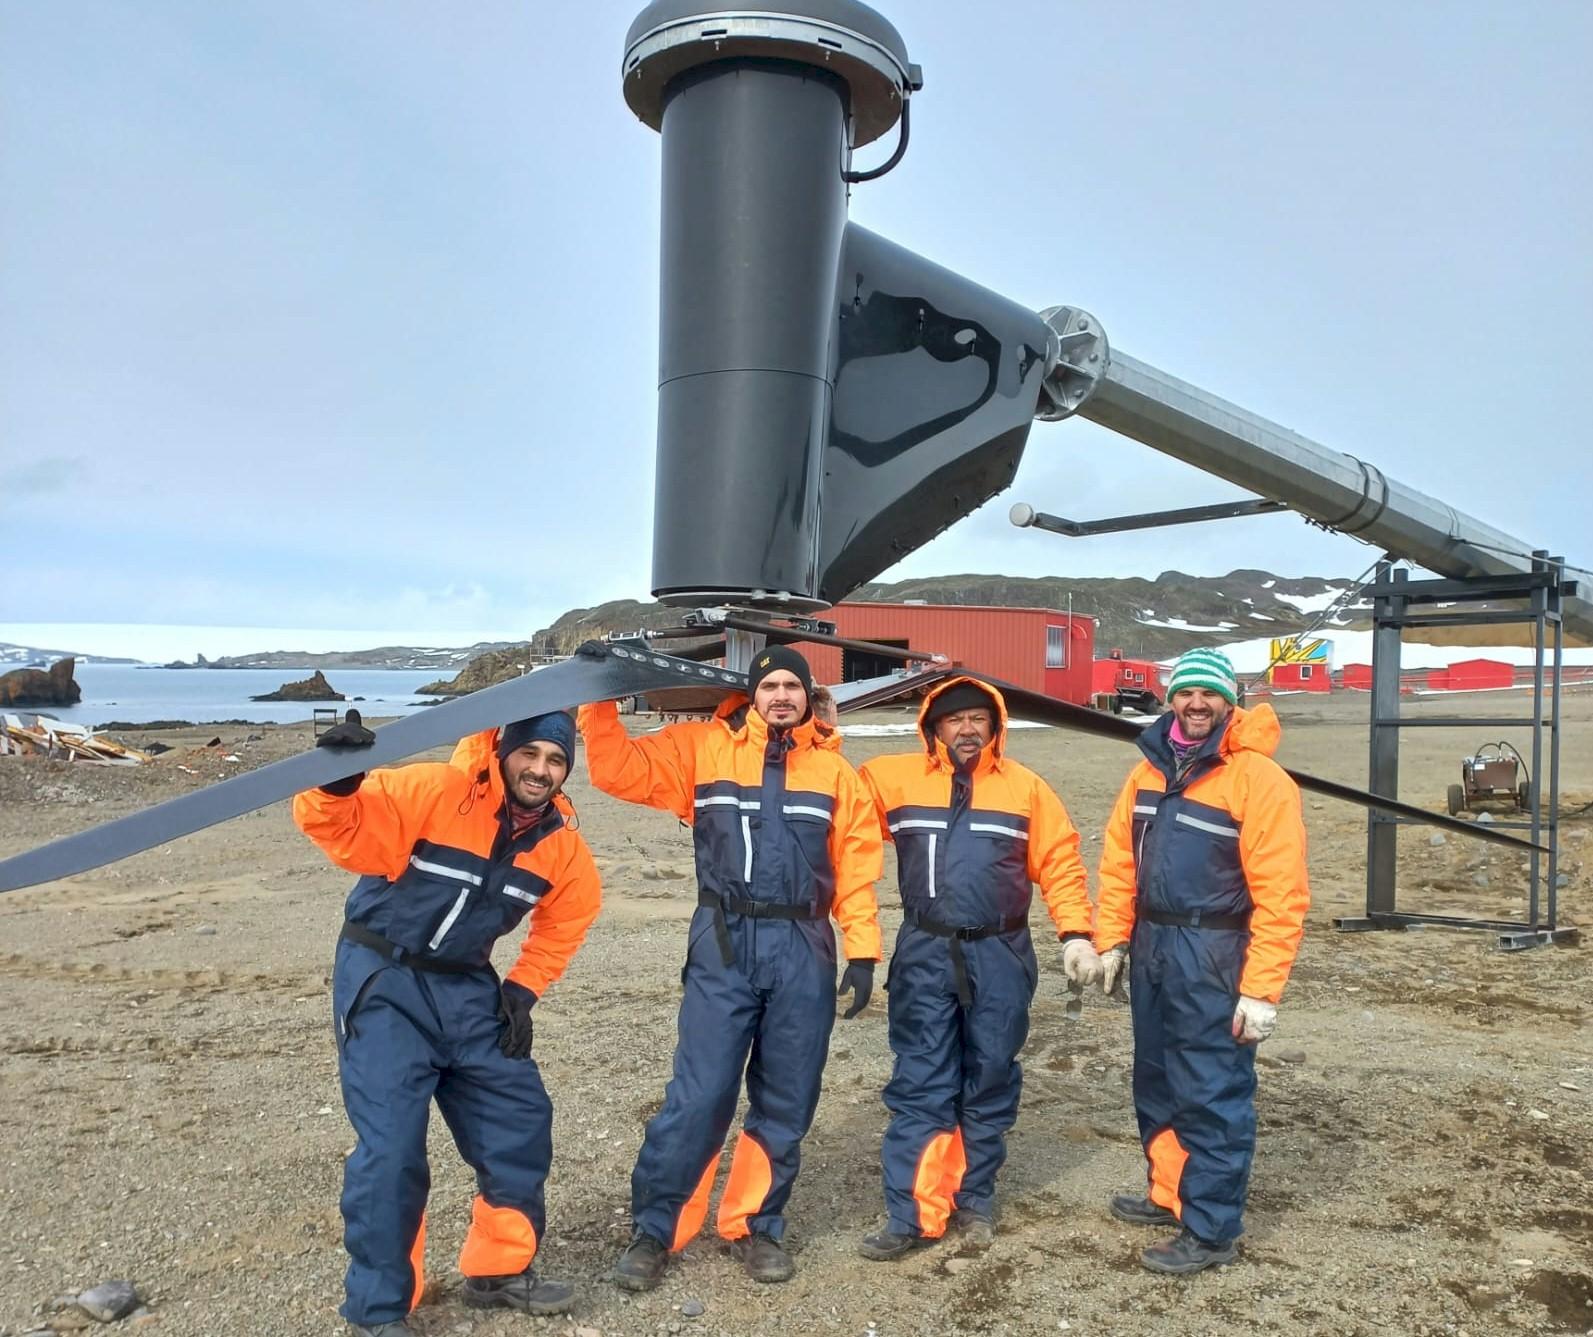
(1048,710)
(573,682)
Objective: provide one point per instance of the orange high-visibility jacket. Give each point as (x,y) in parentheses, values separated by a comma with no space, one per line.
(1229,841)
(709,773)
(436,874)
(982,870)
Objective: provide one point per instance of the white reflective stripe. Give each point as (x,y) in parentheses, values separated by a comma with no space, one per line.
(746,838)
(999,830)
(727,801)
(1146,809)
(1229,831)
(910,822)
(806,812)
(442,931)
(529,897)
(933,839)
(442,870)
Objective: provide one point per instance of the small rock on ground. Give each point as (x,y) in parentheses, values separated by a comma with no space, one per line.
(109,1301)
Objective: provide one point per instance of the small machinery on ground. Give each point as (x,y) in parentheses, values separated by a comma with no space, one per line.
(1492,774)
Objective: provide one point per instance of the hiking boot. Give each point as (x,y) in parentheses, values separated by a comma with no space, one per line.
(886,1246)
(524,1291)
(641,1266)
(1140,1211)
(763,1259)
(398,1328)
(1186,1252)
(975,1229)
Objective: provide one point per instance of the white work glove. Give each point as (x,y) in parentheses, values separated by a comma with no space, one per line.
(1080,963)
(1253,1020)
(1113,964)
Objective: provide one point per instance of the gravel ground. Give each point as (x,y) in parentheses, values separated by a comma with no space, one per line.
(170,1110)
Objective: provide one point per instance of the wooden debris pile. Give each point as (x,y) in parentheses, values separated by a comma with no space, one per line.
(40,736)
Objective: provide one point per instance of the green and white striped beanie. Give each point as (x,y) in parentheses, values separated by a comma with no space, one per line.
(1205,668)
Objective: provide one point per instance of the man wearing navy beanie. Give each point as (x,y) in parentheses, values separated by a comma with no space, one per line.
(450,858)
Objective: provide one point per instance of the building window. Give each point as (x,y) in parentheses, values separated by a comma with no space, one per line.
(1056,647)
(1305,672)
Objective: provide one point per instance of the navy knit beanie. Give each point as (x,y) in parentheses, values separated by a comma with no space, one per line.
(555,727)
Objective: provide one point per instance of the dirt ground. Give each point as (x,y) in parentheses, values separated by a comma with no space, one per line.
(170,1111)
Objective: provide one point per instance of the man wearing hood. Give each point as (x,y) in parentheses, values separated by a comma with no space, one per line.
(973,830)
(1203,893)
(450,858)
(785,839)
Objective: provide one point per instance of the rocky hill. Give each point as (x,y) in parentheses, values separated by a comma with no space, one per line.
(380,657)
(1156,618)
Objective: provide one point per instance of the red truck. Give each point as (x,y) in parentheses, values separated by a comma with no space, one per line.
(1119,684)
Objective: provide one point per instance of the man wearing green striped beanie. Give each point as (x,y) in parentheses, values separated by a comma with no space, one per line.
(1203,892)
(1210,669)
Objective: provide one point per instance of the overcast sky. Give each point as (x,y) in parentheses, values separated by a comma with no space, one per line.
(344,315)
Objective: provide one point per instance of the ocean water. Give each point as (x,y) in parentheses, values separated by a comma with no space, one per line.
(135,694)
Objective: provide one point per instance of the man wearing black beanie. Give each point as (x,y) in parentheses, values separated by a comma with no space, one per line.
(785,839)
(451,858)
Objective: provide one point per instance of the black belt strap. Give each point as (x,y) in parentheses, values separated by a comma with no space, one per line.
(1195,919)
(402,956)
(737,905)
(959,934)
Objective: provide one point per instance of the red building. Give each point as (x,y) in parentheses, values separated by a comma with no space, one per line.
(1040,649)
(1358,676)
(1472,675)
(1306,677)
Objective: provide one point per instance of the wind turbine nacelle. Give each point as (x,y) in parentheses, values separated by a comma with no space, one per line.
(827,401)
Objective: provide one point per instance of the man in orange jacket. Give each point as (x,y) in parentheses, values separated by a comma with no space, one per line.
(450,858)
(785,838)
(1203,873)
(974,830)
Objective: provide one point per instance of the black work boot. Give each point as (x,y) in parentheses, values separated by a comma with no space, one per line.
(1186,1252)
(524,1291)
(974,1229)
(641,1266)
(763,1259)
(398,1328)
(1140,1211)
(886,1246)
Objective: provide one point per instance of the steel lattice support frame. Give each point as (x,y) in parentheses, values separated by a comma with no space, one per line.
(1396,601)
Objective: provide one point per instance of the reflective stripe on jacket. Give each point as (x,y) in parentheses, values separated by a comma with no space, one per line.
(823,849)
(971,861)
(438,875)
(1226,838)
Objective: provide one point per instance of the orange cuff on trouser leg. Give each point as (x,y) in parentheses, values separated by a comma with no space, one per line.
(501,1243)
(751,1177)
(417,1260)
(1167,1156)
(695,1210)
(935,1185)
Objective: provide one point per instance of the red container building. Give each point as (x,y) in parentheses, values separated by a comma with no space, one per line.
(1304,677)
(1040,649)
(1472,675)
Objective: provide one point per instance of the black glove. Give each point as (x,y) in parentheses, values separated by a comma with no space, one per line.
(592,650)
(859,978)
(515,1002)
(351,733)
